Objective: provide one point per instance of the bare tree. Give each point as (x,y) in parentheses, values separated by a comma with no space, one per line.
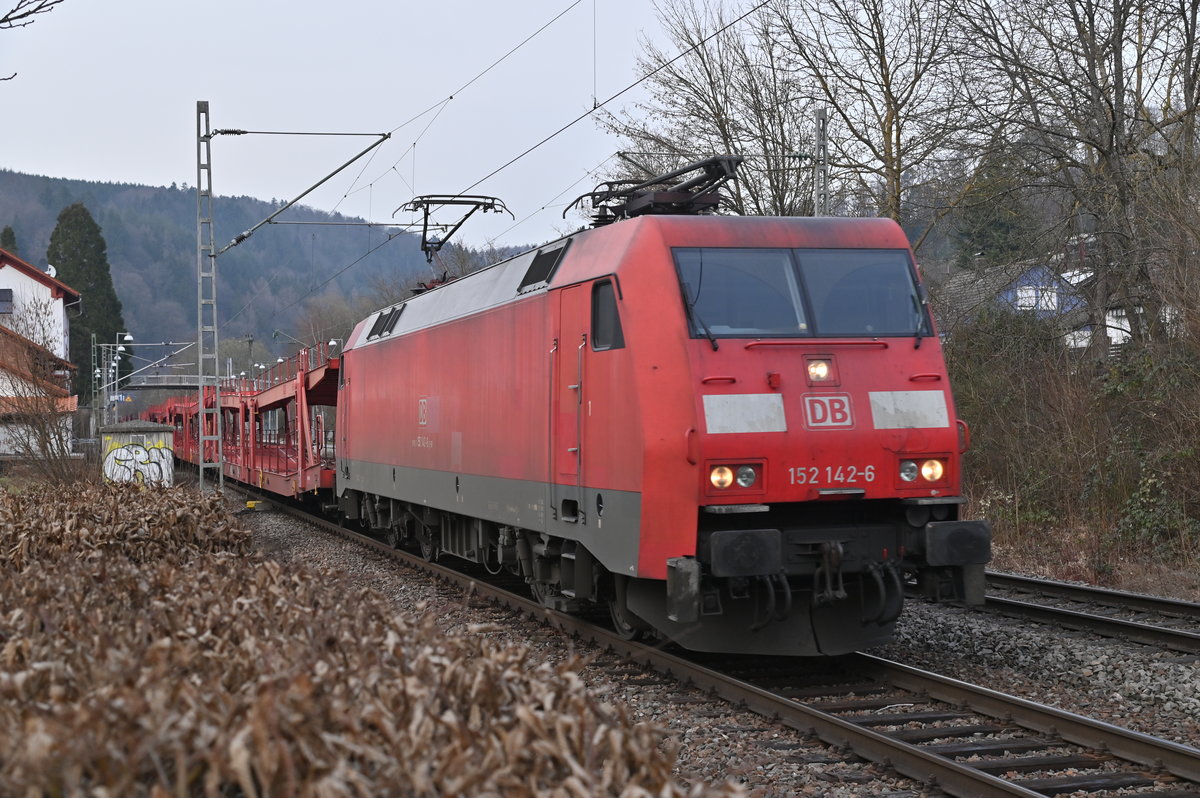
(25,10)
(727,94)
(22,14)
(895,86)
(36,404)
(1103,98)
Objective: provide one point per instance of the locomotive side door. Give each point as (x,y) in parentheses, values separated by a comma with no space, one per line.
(572,320)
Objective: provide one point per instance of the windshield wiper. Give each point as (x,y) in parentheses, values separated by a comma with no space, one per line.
(692,314)
(919,306)
(690,306)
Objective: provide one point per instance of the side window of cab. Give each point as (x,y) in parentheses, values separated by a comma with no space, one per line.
(606,321)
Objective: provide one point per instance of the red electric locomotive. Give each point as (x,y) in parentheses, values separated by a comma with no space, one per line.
(737,432)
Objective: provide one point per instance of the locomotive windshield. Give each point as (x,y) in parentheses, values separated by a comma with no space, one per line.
(800,292)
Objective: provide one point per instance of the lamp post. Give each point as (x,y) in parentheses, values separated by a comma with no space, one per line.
(119,341)
(106,374)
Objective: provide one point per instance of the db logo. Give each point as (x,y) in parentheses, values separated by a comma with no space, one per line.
(423,411)
(828,411)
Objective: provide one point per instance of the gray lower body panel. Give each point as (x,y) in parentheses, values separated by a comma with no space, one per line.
(608,522)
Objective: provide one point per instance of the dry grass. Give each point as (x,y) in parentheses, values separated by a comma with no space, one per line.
(144,650)
(1071,560)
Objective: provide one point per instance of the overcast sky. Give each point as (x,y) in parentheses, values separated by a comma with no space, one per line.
(107,90)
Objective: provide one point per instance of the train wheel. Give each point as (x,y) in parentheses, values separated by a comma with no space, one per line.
(543,593)
(427,539)
(626,625)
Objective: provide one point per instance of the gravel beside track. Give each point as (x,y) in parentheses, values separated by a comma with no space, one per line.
(1154,692)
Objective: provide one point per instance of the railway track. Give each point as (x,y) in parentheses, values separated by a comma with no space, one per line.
(1151,620)
(958,738)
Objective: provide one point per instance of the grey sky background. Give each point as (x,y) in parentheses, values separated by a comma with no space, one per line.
(107,89)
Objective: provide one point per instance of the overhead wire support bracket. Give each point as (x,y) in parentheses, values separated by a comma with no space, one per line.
(698,193)
(431,202)
(244,235)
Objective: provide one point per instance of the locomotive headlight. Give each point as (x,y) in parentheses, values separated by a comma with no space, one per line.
(746,476)
(908,470)
(932,470)
(721,477)
(818,370)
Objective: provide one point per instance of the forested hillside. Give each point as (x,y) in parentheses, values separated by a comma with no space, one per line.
(285,276)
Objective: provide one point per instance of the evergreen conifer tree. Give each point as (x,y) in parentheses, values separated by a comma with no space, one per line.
(995,226)
(79,253)
(8,240)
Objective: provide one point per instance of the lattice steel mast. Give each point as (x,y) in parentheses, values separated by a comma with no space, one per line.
(821,165)
(209,370)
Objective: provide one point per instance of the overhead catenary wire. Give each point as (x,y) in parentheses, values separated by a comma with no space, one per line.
(332,277)
(630,87)
(344,269)
(612,97)
(546,139)
(588,173)
(233,131)
(441,104)
(247,233)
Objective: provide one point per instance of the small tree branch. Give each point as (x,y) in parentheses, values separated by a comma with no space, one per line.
(24,12)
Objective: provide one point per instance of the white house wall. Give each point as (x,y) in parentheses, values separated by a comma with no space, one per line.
(11,434)
(12,385)
(29,293)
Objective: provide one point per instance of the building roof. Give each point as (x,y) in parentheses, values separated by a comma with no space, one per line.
(971,291)
(10,340)
(60,289)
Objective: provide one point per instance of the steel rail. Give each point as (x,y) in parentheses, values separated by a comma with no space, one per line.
(1100,595)
(1180,760)
(922,764)
(1161,636)
(1186,640)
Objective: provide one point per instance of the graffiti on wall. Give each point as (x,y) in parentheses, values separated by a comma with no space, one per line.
(134,462)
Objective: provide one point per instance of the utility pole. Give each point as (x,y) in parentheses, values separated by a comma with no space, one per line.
(209,368)
(821,165)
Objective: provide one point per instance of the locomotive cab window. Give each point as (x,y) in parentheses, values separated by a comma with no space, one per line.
(781,293)
(606,322)
(741,292)
(863,292)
